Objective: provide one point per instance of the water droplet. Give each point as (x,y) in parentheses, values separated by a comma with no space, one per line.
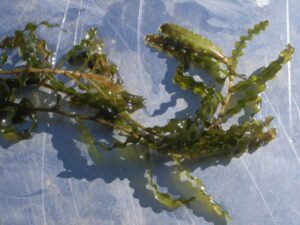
(53,59)
(3,122)
(180,125)
(130,107)
(115,79)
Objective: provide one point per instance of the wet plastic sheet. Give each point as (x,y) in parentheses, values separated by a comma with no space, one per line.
(50,180)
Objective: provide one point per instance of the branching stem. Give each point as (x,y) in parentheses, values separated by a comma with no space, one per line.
(82,117)
(224,104)
(102,80)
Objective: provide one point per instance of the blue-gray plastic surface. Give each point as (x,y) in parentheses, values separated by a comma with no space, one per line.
(49,179)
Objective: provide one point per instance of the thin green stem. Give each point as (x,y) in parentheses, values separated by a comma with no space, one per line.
(224,104)
(126,116)
(101,80)
(227,98)
(83,117)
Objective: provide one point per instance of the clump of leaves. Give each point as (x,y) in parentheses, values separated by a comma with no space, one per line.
(98,87)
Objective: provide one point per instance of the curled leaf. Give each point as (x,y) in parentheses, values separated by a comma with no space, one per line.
(87,138)
(187,82)
(256,83)
(189,48)
(241,44)
(164,198)
(202,196)
(192,40)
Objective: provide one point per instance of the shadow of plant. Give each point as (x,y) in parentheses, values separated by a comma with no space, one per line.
(127,163)
(116,164)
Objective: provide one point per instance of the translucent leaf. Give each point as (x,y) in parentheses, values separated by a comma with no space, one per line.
(31,27)
(209,106)
(205,199)
(241,44)
(49,25)
(173,46)
(256,83)
(164,198)
(99,89)
(3,58)
(238,139)
(89,53)
(13,116)
(250,96)
(192,40)
(87,138)
(187,82)
(31,49)
(273,68)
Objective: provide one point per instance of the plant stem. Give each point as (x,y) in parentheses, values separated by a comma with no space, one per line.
(224,104)
(82,117)
(126,116)
(44,84)
(101,80)
(227,97)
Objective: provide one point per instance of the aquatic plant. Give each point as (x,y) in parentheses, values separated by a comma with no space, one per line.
(96,85)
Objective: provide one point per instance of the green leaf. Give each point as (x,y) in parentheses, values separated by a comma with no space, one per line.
(6,43)
(164,198)
(31,49)
(3,58)
(49,25)
(205,199)
(209,106)
(102,87)
(274,67)
(87,138)
(14,115)
(241,44)
(43,51)
(187,82)
(235,141)
(192,40)
(99,95)
(187,53)
(250,96)
(31,27)
(89,53)
(256,84)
